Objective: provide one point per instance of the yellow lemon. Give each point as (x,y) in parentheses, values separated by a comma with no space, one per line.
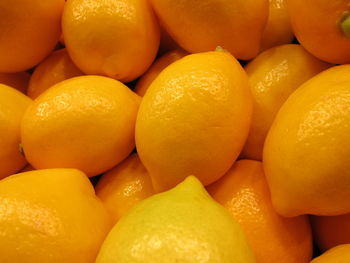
(181,225)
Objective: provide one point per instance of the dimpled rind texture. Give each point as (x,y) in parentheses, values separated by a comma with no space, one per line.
(307,149)
(50,216)
(86,123)
(118,39)
(274,75)
(244,192)
(181,225)
(124,186)
(194,119)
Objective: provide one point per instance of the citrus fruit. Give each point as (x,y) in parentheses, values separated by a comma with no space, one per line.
(115,38)
(194,119)
(161,63)
(339,254)
(307,149)
(50,216)
(274,74)
(199,26)
(30,30)
(243,191)
(12,107)
(55,68)
(181,225)
(322,27)
(17,80)
(124,186)
(85,122)
(278,30)
(331,231)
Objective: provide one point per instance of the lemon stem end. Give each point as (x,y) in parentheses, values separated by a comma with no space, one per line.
(345,25)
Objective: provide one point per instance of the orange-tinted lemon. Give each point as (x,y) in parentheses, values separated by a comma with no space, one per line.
(322,27)
(146,80)
(124,186)
(50,216)
(331,231)
(306,152)
(29,30)
(55,68)
(278,30)
(12,107)
(85,122)
(274,239)
(18,80)
(194,119)
(235,25)
(274,75)
(118,39)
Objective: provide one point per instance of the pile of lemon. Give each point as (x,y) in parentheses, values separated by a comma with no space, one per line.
(189,131)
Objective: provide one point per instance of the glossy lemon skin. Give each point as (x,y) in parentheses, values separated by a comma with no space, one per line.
(124,186)
(117,39)
(307,148)
(244,192)
(274,75)
(50,216)
(55,68)
(183,224)
(85,122)
(194,119)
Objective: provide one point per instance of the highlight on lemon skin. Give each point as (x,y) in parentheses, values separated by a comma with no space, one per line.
(244,192)
(55,68)
(100,113)
(307,148)
(62,212)
(183,224)
(161,63)
(201,106)
(122,187)
(117,39)
(273,76)
(278,30)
